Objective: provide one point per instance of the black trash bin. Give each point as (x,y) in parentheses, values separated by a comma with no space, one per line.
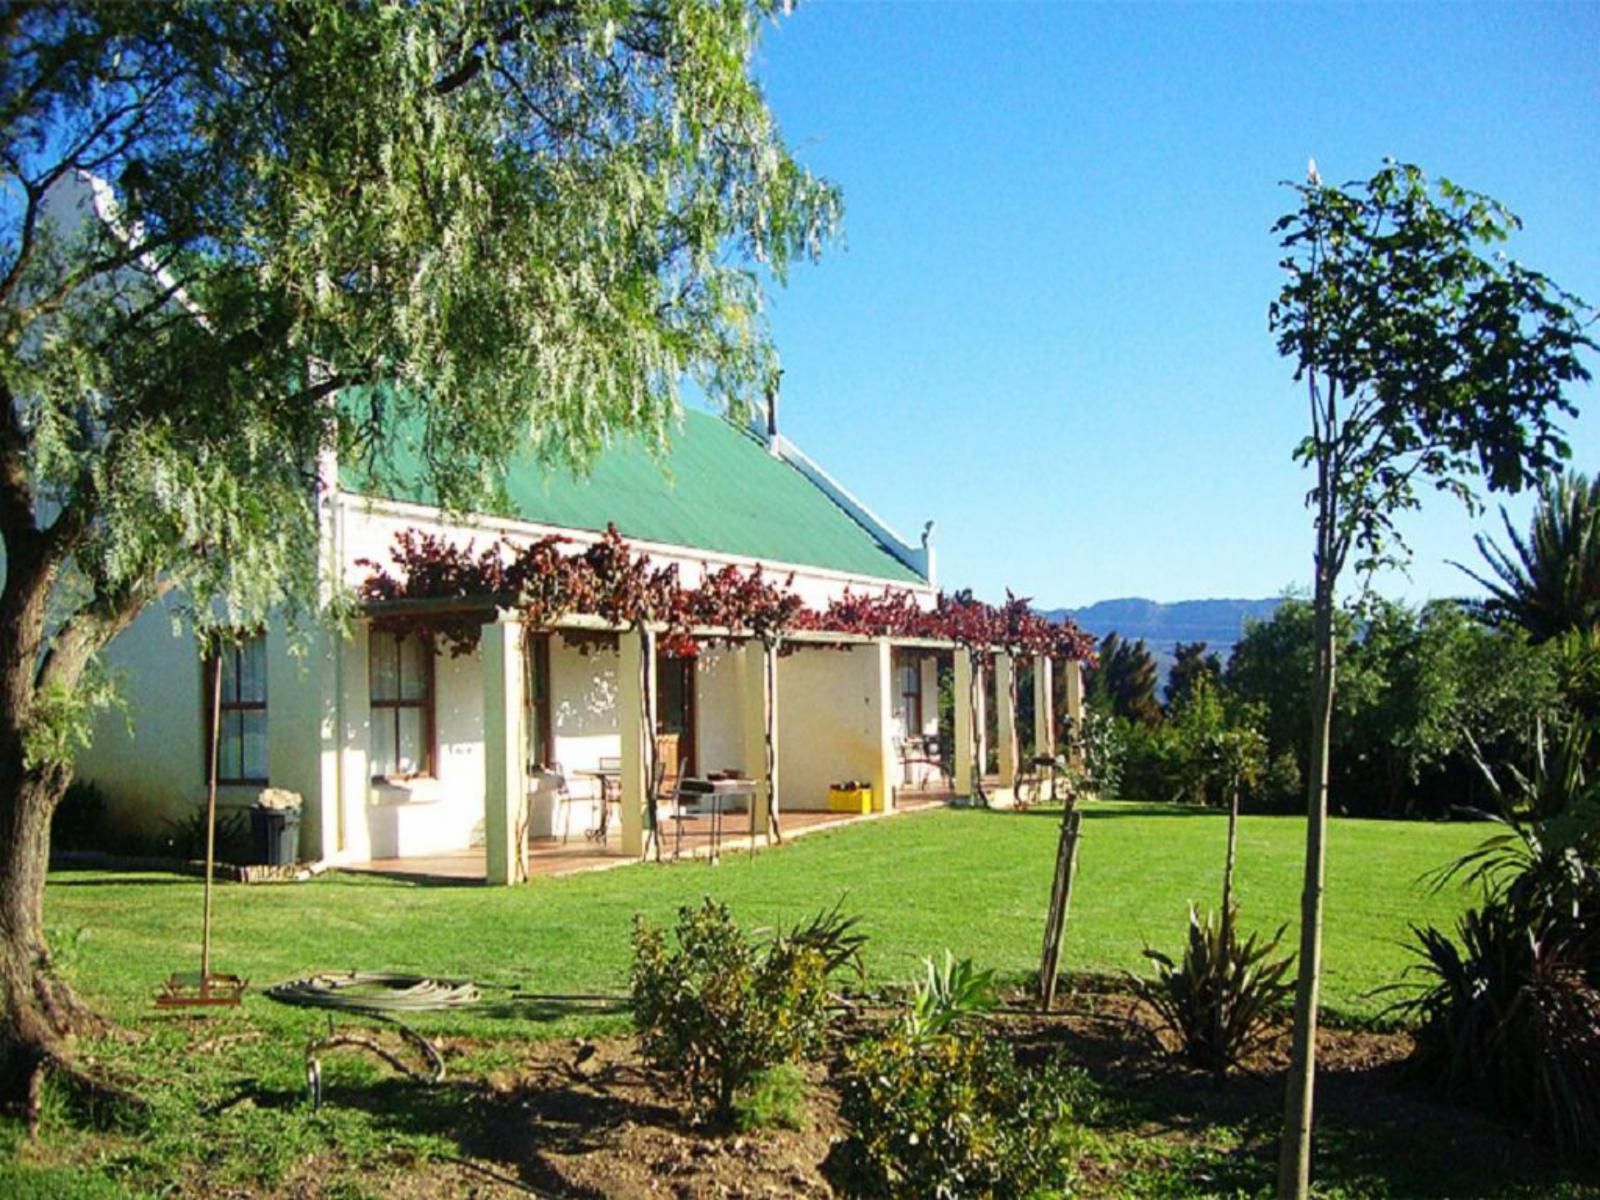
(275,835)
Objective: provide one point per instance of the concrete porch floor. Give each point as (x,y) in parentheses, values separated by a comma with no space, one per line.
(551,857)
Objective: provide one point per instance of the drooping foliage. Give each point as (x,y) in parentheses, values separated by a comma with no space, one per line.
(511,223)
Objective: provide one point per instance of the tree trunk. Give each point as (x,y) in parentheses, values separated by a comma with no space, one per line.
(980,755)
(38,1012)
(1227,866)
(1294,1164)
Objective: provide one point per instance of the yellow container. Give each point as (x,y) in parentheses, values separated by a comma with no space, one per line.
(850,800)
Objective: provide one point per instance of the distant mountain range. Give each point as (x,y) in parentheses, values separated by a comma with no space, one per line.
(1218,623)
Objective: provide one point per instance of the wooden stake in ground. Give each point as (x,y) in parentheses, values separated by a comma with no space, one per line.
(1055,925)
(183,990)
(211,815)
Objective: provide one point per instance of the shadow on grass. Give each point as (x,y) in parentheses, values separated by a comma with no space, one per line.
(121,881)
(1094,812)
(1378,1132)
(522,1132)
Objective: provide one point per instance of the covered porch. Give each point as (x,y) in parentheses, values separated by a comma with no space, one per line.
(541,738)
(550,857)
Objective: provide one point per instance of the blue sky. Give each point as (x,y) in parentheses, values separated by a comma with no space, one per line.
(1046,326)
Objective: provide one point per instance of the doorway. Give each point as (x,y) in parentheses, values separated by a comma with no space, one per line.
(675,709)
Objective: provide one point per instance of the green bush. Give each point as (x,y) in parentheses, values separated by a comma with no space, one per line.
(1510,1019)
(953,1116)
(721,1008)
(1218,1000)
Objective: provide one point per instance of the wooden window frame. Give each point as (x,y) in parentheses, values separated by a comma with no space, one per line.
(911,715)
(687,667)
(538,666)
(430,744)
(208,665)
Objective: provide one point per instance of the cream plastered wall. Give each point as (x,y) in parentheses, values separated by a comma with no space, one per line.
(827,734)
(719,717)
(150,758)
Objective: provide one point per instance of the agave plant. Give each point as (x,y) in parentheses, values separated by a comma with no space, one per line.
(1218,1001)
(948,996)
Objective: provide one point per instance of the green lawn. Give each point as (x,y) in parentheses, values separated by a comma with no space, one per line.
(975,882)
(230,1112)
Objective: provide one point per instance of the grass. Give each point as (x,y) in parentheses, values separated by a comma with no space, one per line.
(974,882)
(230,1087)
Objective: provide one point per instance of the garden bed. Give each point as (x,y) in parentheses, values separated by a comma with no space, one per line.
(587,1118)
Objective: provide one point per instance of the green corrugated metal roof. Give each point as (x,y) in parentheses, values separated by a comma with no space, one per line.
(715,488)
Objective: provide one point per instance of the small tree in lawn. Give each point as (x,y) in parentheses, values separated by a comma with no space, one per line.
(1423,361)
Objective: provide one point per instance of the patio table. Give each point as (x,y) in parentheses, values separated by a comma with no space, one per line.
(717,795)
(610,779)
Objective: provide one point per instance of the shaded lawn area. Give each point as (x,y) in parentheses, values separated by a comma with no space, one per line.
(230,1111)
(975,882)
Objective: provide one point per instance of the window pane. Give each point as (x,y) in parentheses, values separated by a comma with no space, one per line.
(537,751)
(230,676)
(228,752)
(253,743)
(539,668)
(413,669)
(382,747)
(413,756)
(253,671)
(383,665)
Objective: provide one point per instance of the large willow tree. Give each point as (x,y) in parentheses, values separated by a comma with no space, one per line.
(515,220)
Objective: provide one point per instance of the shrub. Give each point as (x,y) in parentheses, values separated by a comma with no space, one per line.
(1510,1016)
(233,843)
(954,1116)
(1281,788)
(79,819)
(1218,1000)
(721,1008)
(1510,1020)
